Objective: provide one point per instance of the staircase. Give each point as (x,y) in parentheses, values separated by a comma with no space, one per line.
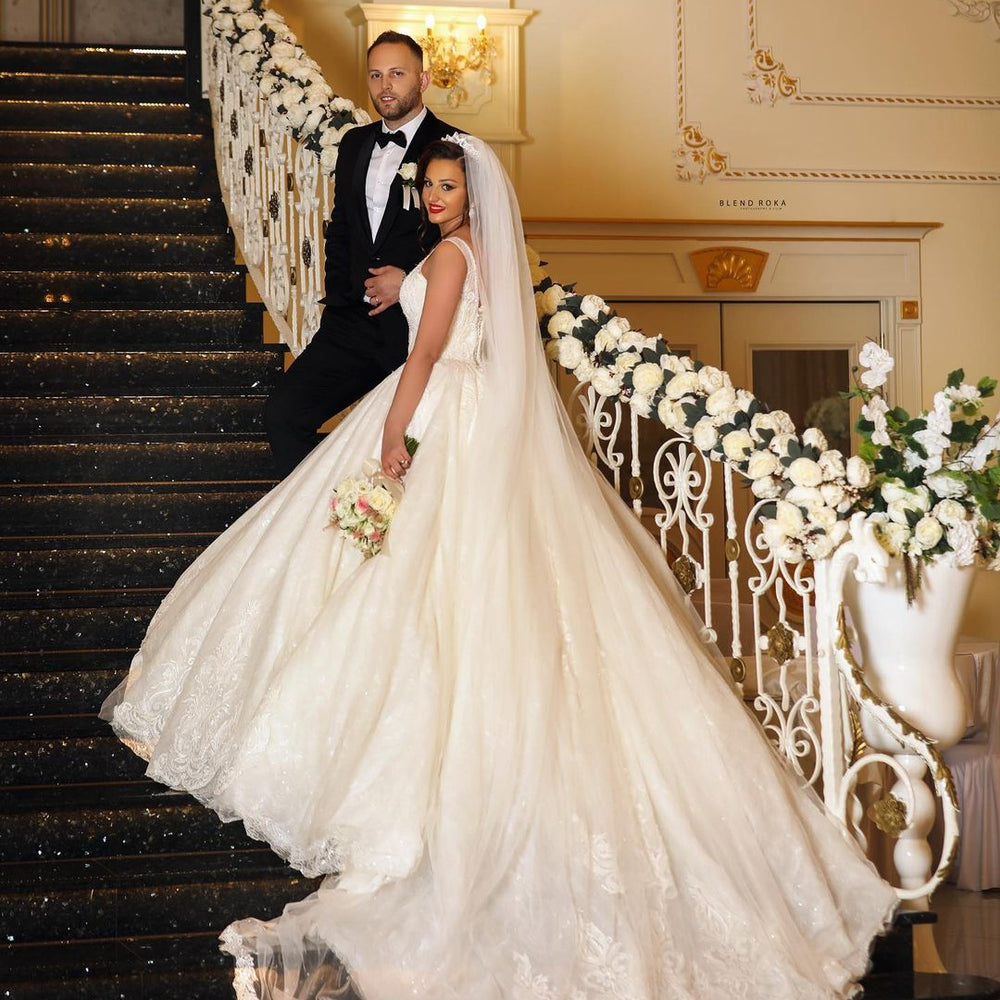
(130,435)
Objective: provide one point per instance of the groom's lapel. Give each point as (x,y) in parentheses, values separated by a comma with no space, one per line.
(424,134)
(361,179)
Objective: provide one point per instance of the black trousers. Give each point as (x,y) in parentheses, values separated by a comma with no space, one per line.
(348,356)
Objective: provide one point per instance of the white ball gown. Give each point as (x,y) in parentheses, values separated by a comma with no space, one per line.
(501,738)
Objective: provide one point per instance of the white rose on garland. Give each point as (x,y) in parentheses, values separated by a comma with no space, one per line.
(647,378)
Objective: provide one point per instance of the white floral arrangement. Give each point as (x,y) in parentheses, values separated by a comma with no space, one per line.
(930,484)
(266,49)
(362,508)
(934,486)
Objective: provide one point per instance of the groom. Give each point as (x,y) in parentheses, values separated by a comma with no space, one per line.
(372,241)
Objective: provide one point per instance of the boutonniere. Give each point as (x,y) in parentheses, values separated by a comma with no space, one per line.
(408,173)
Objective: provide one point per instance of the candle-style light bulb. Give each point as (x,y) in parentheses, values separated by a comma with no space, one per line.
(481,23)
(429,24)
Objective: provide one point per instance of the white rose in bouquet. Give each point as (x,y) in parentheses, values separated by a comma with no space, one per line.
(561,323)
(945,486)
(892,536)
(642,404)
(618,326)
(682,384)
(761,422)
(671,414)
(705,436)
(789,518)
(736,445)
(584,371)
(247,62)
(571,352)
(763,464)
(879,363)
(950,512)
(721,401)
(647,377)
(604,340)
(553,297)
(592,306)
(342,104)
(712,379)
(249,21)
(779,444)
(963,539)
(296,115)
(819,546)
(823,517)
(675,363)
(928,532)
(605,383)
(805,496)
(634,338)
(283,50)
(831,464)
(805,472)
(813,437)
(627,361)
(328,157)
(836,496)
(765,488)
(859,473)
(252,41)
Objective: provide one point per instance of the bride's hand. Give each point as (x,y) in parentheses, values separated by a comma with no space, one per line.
(395,458)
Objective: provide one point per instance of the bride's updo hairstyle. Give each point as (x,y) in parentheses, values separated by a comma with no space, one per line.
(440,149)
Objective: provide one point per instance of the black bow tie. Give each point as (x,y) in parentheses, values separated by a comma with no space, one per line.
(384,138)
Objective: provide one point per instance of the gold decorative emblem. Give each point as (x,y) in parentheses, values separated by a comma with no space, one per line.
(889,815)
(686,573)
(738,669)
(781,642)
(636,487)
(729,269)
(698,157)
(769,79)
(732,549)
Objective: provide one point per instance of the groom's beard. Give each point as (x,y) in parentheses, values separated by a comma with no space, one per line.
(400,107)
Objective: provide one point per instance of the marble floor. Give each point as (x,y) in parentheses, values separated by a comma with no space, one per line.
(968,930)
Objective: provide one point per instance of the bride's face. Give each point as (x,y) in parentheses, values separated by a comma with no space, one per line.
(445,196)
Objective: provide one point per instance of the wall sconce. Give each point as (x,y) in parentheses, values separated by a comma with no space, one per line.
(447,65)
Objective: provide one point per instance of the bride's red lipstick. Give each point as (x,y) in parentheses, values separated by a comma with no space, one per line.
(434,209)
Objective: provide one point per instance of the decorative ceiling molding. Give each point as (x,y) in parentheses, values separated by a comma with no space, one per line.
(768,80)
(698,156)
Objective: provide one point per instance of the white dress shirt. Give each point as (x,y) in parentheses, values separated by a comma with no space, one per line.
(382,168)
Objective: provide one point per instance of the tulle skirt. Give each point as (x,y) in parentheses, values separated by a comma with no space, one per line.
(524,779)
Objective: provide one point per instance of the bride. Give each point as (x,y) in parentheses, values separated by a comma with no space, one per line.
(501,738)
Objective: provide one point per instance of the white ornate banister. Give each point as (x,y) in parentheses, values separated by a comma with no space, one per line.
(277,126)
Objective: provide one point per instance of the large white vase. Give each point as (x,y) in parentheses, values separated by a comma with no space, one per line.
(908,650)
(908,659)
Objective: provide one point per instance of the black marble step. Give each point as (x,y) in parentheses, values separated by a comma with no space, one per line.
(112,215)
(131,329)
(71,514)
(97,179)
(51,372)
(89,958)
(64,760)
(156,461)
(203,984)
(200,289)
(37,85)
(117,251)
(20,146)
(128,898)
(90,417)
(100,59)
(931,986)
(99,116)
(55,692)
(43,630)
(43,571)
(109,821)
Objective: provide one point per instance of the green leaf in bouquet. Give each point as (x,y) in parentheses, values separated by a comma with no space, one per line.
(966,431)
(912,426)
(899,415)
(868,450)
(993,473)
(955,378)
(889,460)
(986,386)
(411,444)
(991,510)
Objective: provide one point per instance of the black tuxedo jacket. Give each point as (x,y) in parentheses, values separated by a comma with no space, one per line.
(352,248)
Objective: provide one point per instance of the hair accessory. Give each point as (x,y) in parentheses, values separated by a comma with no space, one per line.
(465,141)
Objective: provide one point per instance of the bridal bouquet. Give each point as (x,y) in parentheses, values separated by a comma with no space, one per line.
(934,485)
(362,507)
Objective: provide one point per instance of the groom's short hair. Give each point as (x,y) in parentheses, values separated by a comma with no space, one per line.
(398,38)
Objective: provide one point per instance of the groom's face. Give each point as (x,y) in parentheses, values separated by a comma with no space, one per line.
(396,82)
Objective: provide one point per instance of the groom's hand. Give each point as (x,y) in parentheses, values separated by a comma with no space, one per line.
(382,288)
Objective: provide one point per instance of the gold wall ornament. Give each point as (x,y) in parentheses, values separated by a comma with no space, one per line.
(909,309)
(448,61)
(781,642)
(738,669)
(769,80)
(889,815)
(977,10)
(697,157)
(729,269)
(686,573)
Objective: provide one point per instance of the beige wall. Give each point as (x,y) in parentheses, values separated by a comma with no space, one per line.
(904,87)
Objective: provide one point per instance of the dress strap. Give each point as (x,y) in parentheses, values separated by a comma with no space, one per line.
(470,257)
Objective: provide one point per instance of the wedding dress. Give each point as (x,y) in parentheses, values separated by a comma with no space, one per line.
(501,737)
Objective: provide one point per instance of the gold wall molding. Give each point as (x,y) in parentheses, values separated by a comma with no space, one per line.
(698,156)
(769,80)
(729,269)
